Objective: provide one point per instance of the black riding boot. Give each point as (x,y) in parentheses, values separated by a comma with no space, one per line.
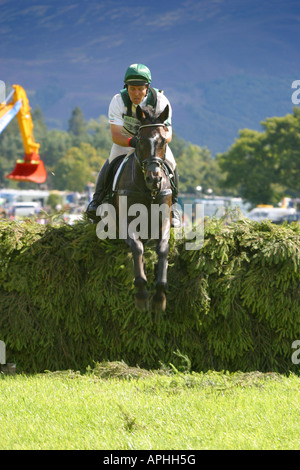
(176,219)
(99,192)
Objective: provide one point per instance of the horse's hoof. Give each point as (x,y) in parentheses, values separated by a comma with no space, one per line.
(141,302)
(159,305)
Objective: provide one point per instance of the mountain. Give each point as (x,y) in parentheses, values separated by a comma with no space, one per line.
(224,64)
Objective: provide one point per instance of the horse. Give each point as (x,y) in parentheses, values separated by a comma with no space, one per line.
(145,181)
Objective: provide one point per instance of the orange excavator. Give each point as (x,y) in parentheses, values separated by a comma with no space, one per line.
(31,167)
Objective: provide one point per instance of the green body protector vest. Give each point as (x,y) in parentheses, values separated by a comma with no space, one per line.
(130,123)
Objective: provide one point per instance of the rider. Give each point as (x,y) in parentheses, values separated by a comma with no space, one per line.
(124,126)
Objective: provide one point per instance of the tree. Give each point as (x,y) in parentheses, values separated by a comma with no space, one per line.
(78,167)
(100,134)
(55,146)
(177,145)
(77,126)
(265,166)
(248,168)
(73,171)
(284,142)
(39,126)
(196,167)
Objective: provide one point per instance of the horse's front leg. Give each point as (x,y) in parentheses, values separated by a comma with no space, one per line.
(140,280)
(162,249)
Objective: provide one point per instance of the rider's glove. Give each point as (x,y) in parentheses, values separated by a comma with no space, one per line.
(132,141)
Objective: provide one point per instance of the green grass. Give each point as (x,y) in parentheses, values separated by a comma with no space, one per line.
(117,407)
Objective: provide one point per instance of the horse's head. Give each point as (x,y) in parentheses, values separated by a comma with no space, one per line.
(151,144)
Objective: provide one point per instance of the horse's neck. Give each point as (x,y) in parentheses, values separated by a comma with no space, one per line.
(137,174)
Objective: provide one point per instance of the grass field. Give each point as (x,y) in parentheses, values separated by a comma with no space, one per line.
(116,407)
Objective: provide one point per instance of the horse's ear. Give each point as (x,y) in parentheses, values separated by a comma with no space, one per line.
(139,113)
(164,115)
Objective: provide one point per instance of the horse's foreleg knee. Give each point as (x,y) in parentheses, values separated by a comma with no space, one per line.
(140,280)
(137,250)
(159,298)
(162,250)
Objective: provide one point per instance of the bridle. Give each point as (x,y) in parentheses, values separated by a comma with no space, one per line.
(144,164)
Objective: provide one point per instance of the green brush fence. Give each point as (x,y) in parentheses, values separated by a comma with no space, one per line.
(66,299)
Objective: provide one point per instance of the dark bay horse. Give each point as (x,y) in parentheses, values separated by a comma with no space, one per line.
(147,187)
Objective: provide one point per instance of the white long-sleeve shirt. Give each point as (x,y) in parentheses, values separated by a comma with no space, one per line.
(117,110)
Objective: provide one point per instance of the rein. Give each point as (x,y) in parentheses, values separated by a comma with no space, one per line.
(158,124)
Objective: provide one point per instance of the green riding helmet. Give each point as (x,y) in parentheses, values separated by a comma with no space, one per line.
(137,74)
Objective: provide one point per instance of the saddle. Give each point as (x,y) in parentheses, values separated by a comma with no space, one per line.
(110,177)
(114,172)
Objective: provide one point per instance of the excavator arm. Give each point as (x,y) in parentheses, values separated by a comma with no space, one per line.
(31,168)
